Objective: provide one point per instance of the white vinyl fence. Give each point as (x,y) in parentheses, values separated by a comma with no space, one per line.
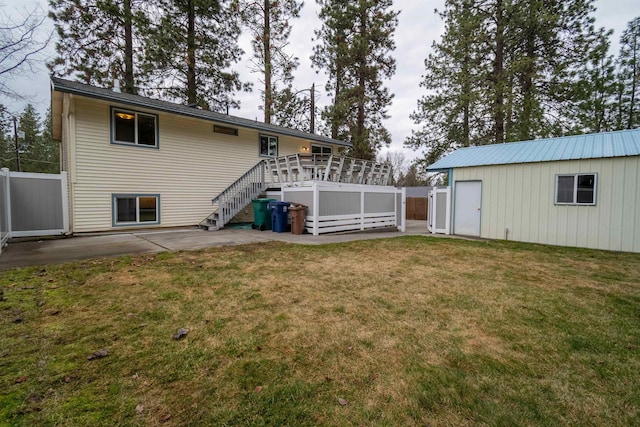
(347,207)
(32,204)
(440,210)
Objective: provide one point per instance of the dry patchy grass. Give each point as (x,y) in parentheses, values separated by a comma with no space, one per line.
(408,331)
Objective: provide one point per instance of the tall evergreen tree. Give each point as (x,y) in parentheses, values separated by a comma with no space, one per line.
(269,22)
(629,76)
(29,123)
(7,153)
(596,88)
(452,112)
(190,48)
(46,151)
(356,39)
(99,41)
(503,71)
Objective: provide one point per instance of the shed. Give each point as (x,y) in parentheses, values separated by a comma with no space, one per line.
(580,191)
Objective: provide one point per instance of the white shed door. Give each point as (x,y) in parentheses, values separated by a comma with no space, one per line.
(468,201)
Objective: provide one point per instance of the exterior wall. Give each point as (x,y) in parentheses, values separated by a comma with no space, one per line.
(520,197)
(191,166)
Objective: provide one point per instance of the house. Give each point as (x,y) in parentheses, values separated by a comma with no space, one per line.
(133,161)
(580,191)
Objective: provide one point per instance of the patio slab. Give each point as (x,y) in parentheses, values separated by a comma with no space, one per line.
(57,251)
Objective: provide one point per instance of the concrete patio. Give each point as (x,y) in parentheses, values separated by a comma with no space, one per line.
(61,250)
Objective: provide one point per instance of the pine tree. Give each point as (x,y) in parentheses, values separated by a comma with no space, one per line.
(47,153)
(629,76)
(596,88)
(548,41)
(452,113)
(7,151)
(29,123)
(269,23)
(99,41)
(503,71)
(190,48)
(356,39)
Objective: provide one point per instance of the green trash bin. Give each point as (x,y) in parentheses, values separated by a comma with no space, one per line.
(261,214)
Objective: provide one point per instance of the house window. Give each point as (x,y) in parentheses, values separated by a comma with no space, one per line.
(576,189)
(268,146)
(131,209)
(134,128)
(321,149)
(225,130)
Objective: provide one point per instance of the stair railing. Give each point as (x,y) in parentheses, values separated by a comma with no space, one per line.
(239,194)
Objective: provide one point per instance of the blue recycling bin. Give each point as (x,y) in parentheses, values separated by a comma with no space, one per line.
(279,216)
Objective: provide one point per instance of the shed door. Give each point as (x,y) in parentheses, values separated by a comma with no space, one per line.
(468,201)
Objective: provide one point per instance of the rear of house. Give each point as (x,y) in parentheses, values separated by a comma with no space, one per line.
(139,162)
(581,191)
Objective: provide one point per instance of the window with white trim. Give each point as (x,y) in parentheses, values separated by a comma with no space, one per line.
(268,146)
(576,189)
(132,209)
(134,128)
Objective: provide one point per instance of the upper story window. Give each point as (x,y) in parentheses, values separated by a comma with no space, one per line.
(268,146)
(321,149)
(576,189)
(134,128)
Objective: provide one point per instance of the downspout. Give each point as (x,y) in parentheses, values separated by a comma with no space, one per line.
(68,151)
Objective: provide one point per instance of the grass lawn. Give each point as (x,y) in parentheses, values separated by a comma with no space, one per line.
(393,332)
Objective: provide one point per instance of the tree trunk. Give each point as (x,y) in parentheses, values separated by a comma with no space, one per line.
(266,46)
(339,72)
(634,82)
(312,121)
(361,150)
(129,83)
(192,92)
(526,119)
(498,75)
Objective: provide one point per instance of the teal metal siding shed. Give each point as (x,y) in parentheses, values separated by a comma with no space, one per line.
(510,191)
(591,146)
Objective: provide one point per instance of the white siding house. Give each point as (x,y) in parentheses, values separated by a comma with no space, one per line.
(580,191)
(136,162)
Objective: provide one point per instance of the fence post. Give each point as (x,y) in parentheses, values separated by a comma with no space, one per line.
(403,208)
(6,207)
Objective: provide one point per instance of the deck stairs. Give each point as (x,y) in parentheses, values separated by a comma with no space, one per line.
(292,170)
(236,197)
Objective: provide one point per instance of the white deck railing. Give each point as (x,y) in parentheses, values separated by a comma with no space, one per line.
(298,168)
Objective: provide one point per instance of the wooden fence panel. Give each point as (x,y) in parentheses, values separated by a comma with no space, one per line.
(417,208)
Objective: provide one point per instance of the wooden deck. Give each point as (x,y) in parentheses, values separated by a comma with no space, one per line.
(297,169)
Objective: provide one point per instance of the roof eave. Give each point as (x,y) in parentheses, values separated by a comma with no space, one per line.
(140,103)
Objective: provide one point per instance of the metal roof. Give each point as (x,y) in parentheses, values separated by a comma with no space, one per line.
(589,146)
(68,86)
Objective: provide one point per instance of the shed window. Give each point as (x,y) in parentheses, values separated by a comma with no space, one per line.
(268,146)
(576,189)
(131,209)
(134,128)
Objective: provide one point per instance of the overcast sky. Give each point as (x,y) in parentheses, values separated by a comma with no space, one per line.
(417,29)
